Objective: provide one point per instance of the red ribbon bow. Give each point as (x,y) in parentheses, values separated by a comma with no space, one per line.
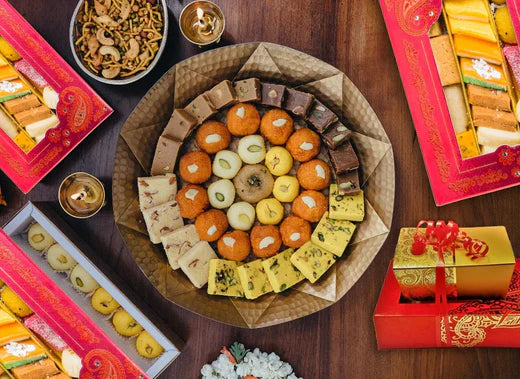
(444,237)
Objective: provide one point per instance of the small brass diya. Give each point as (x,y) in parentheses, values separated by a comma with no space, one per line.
(81,195)
(202,22)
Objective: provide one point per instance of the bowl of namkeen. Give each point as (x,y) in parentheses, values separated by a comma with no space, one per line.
(118,41)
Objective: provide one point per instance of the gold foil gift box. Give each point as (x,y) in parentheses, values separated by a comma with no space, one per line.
(485,276)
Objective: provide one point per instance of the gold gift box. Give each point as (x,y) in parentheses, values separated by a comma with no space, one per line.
(484,277)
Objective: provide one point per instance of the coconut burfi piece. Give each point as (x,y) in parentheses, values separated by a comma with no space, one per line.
(343,207)
(201,108)
(165,156)
(253,279)
(280,271)
(162,219)
(223,278)
(178,242)
(156,190)
(222,95)
(333,235)
(312,261)
(248,90)
(195,263)
(180,125)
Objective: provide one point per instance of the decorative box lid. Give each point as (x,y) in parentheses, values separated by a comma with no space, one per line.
(79,110)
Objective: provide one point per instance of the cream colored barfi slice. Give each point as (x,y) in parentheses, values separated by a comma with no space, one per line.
(156,190)
(179,242)
(333,235)
(162,219)
(195,263)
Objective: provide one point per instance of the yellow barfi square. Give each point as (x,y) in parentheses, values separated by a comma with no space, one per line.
(223,278)
(343,207)
(281,272)
(254,279)
(24,142)
(467,144)
(312,261)
(333,235)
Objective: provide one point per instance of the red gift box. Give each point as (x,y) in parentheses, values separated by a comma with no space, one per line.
(400,323)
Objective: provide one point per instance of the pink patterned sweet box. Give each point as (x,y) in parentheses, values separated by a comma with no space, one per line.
(460,65)
(46,108)
(70,312)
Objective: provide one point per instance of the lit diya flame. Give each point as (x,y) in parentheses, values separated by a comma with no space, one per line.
(205,24)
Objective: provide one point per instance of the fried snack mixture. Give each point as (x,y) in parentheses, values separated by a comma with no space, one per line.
(119,38)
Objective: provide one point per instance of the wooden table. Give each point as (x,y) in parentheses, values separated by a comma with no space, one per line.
(337,342)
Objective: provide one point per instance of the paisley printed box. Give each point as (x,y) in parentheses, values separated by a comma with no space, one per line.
(466,124)
(69,312)
(487,276)
(400,323)
(46,109)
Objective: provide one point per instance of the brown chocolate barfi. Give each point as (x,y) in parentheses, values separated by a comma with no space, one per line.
(336,135)
(165,156)
(33,115)
(494,119)
(344,158)
(248,90)
(22,104)
(180,125)
(273,94)
(445,59)
(348,183)
(298,102)
(222,95)
(201,108)
(321,117)
(489,98)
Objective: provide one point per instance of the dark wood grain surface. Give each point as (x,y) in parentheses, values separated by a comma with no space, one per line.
(338,342)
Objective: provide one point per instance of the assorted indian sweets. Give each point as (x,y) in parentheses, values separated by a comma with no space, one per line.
(477,55)
(256,210)
(101,300)
(117,39)
(27,102)
(29,348)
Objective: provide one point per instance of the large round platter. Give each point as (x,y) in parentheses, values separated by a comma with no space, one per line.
(271,63)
